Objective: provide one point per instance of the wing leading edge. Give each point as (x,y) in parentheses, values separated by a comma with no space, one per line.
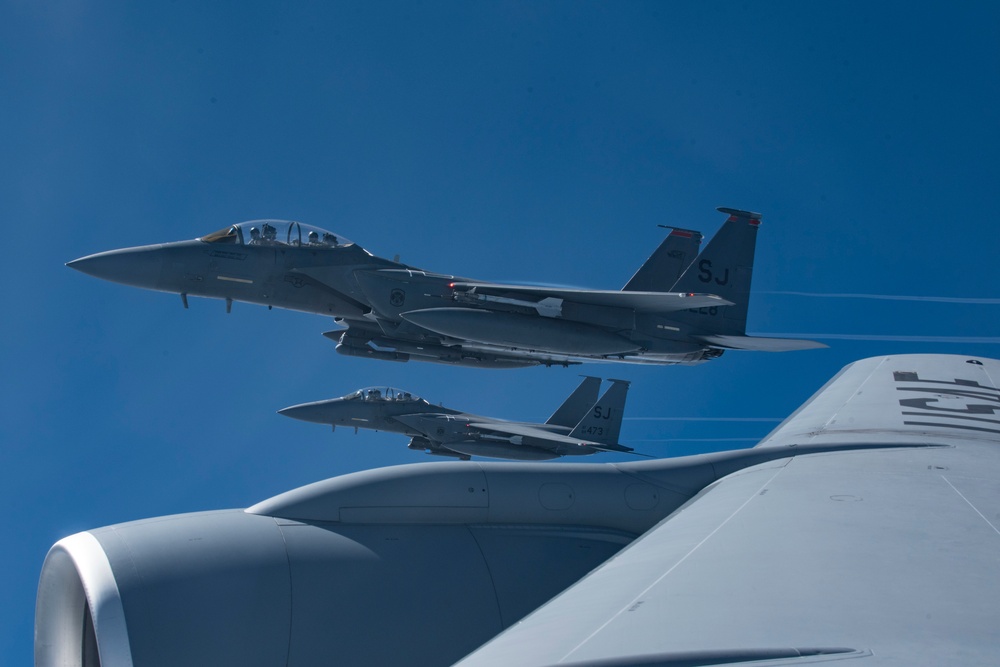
(883,555)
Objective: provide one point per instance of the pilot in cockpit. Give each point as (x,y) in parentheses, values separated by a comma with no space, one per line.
(313,238)
(270,233)
(254,236)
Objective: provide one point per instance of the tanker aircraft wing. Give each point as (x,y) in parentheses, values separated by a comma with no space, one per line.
(863,529)
(887,556)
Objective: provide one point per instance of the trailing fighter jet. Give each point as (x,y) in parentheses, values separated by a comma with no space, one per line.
(676,309)
(582,424)
(862,531)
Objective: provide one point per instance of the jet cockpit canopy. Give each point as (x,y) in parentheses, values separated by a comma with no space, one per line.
(276,233)
(385,394)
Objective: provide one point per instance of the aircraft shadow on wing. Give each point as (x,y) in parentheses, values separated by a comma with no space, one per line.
(583,424)
(680,307)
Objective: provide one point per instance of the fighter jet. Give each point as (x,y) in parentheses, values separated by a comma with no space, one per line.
(582,424)
(676,309)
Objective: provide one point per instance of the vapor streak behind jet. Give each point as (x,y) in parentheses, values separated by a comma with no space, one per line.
(891,297)
(980,340)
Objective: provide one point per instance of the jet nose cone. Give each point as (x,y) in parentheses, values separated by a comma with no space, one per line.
(319,412)
(140,267)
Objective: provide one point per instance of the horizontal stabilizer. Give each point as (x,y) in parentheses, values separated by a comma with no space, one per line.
(739,213)
(761,344)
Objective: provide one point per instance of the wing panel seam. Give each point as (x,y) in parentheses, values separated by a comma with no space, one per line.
(674,566)
(969,503)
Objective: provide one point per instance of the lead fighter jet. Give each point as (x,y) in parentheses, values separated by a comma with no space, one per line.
(676,309)
(582,424)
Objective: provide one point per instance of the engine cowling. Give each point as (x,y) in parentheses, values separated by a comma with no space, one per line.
(415,564)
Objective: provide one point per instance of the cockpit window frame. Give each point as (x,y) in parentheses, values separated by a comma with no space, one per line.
(385,394)
(231,235)
(277,233)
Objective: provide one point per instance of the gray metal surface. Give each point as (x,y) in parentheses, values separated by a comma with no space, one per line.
(864,527)
(584,424)
(888,555)
(677,308)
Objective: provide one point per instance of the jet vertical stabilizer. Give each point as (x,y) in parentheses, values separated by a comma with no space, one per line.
(725,268)
(604,421)
(667,263)
(577,405)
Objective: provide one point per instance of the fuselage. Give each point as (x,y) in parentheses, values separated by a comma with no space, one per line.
(289,271)
(396,312)
(435,428)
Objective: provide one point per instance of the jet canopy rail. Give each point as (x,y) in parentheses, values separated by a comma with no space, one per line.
(384,395)
(276,233)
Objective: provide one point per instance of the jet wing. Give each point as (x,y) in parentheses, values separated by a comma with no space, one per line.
(885,556)
(525,431)
(426,422)
(643,301)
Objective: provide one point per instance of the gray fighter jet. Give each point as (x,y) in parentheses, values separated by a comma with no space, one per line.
(676,309)
(582,424)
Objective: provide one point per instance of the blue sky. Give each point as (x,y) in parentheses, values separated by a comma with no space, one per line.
(503,141)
